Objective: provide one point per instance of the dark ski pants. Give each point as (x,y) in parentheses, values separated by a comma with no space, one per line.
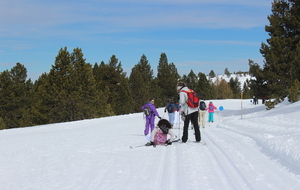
(193,117)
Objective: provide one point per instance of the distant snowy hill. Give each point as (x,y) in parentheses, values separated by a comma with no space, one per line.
(242,78)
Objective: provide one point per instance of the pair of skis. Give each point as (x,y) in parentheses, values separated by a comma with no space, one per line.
(139,146)
(201,142)
(177,140)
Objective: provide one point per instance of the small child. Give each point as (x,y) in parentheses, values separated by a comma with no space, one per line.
(160,133)
(211,110)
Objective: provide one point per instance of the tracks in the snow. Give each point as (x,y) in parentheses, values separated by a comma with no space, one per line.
(234,176)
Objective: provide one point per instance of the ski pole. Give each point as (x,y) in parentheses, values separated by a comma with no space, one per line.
(179,121)
(163,115)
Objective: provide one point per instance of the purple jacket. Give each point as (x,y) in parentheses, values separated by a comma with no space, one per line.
(152,109)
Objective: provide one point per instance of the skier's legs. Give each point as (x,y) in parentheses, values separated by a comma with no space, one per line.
(152,118)
(210,117)
(146,131)
(171,118)
(194,120)
(176,118)
(202,118)
(199,118)
(185,129)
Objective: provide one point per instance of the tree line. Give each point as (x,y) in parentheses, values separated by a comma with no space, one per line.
(279,78)
(75,90)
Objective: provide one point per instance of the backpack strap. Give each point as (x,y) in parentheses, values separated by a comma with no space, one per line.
(189,91)
(164,129)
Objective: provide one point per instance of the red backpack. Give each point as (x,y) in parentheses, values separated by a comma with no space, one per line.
(193,99)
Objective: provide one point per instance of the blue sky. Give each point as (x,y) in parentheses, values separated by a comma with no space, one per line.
(202,35)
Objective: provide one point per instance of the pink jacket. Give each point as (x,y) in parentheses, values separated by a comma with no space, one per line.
(211,111)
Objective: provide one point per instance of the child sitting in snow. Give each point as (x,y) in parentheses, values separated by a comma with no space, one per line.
(160,133)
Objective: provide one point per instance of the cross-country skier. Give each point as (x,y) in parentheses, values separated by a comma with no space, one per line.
(190,114)
(211,111)
(151,117)
(171,108)
(202,113)
(160,133)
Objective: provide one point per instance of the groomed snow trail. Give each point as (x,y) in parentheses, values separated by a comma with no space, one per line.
(95,155)
(243,164)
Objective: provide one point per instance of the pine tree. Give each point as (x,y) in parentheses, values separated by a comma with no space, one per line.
(103,91)
(138,88)
(40,109)
(294,92)
(227,73)
(140,81)
(281,52)
(114,79)
(246,90)
(167,77)
(68,92)
(205,88)
(124,101)
(235,86)
(212,74)
(59,88)
(258,84)
(2,124)
(192,81)
(15,96)
(6,99)
(83,98)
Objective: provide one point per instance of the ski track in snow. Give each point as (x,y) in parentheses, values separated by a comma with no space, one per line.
(256,152)
(239,156)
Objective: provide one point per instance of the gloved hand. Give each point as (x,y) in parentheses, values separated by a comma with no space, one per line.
(168,142)
(182,117)
(150,144)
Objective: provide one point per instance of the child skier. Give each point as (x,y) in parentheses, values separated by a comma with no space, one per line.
(160,133)
(151,117)
(171,108)
(211,111)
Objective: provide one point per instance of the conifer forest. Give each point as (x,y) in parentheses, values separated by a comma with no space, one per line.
(75,90)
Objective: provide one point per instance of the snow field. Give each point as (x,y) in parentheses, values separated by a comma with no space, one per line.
(258,150)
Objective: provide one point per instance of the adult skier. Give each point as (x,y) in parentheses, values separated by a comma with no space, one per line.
(190,114)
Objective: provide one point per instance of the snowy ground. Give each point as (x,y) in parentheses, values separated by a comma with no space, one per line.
(257,150)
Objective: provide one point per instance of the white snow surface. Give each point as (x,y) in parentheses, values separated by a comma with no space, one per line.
(246,149)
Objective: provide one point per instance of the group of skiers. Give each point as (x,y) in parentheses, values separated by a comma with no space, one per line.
(194,114)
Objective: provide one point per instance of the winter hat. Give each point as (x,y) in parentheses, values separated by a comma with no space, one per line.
(180,84)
